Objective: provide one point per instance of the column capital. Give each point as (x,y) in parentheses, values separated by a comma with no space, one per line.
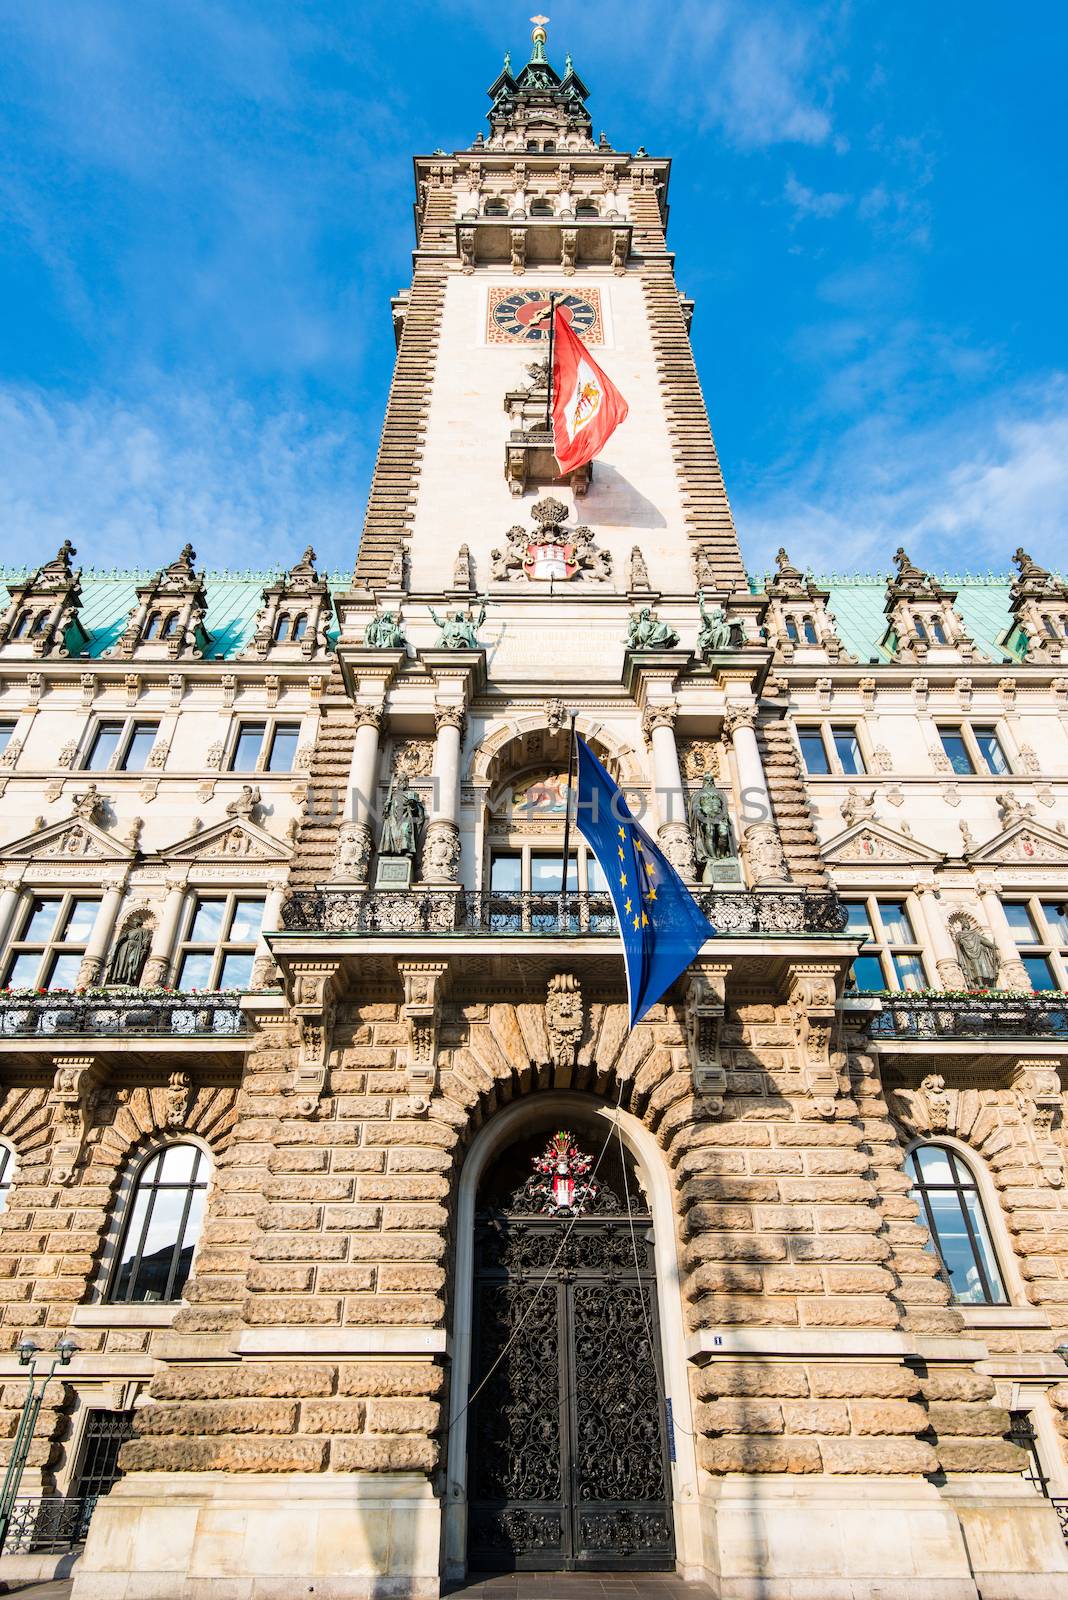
(450,716)
(739,714)
(660,714)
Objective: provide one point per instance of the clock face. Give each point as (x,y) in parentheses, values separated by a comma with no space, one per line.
(512,313)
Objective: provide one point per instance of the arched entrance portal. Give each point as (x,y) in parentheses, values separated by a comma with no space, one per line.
(559,1455)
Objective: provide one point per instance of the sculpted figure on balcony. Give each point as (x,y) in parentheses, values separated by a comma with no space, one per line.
(459,629)
(710,826)
(402,819)
(976,952)
(384,632)
(130,954)
(715,633)
(647,632)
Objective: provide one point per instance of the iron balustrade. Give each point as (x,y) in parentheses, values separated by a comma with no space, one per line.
(1061,1508)
(939,1016)
(493,914)
(120,1014)
(48,1525)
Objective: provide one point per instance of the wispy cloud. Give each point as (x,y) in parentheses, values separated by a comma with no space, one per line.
(808,202)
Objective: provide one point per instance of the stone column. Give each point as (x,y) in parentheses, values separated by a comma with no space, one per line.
(658,725)
(158,965)
(10,890)
(96,950)
(354,838)
(441,846)
(760,840)
(264,970)
(1013,974)
(939,938)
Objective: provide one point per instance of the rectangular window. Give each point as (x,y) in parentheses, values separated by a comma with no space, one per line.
(246,754)
(847,748)
(956,749)
(220,942)
(142,738)
(48,950)
(283,747)
(826,750)
(991,751)
(121,746)
(891,956)
(813,751)
(104,745)
(1040,929)
(7,731)
(265,747)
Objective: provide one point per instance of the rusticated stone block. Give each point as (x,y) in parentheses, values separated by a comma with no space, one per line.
(760,1454)
(784,1219)
(763,1378)
(410,1279)
(392,1310)
(224,1454)
(351,1217)
(390,1378)
(792,1280)
(363,1107)
(243,1380)
(724,1279)
(887,1416)
(787,1162)
(332,1416)
(397,1247)
(703,1217)
(283,1219)
(427,1160)
(835,1162)
(856,1313)
(754,1309)
(852,1247)
(279,1310)
(757,1248)
(808,1191)
(408,1454)
(409,1133)
(279,1280)
(227,1416)
(402,1416)
(739,1416)
(308,1188)
(811,1135)
(858,1280)
(957,1417)
(848,1380)
(980,1455)
(346,1280)
(890,1455)
(358,1160)
(299,1247)
(847,1219)
(291,1160)
(392,1186)
(816,1416)
(426,1218)
(942,1383)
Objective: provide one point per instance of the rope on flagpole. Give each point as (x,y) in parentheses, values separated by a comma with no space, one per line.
(567,821)
(549,383)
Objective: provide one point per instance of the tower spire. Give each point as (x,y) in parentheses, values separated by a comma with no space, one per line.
(538,37)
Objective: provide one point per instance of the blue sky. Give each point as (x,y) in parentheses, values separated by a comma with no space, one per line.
(205,205)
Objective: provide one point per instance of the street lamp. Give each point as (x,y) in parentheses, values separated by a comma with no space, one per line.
(31,1410)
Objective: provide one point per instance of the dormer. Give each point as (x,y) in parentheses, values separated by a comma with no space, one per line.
(42,617)
(293,620)
(167,621)
(1039,606)
(799,626)
(923,623)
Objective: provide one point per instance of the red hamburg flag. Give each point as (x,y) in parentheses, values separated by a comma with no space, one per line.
(587,407)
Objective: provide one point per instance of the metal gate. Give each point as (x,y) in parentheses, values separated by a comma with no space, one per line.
(568,1462)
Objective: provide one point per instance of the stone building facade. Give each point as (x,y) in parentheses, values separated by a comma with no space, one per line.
(293,997)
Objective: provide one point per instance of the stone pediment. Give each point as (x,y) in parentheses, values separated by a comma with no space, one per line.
(75,838)
(1025,843)
(871,841)
(233,839)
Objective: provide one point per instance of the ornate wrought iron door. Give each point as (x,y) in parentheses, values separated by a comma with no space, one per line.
(568,1462)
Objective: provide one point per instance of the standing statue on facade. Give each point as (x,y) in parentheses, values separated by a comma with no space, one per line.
(710,828)
(647,632)
(977,953)
(402,819)
(129,955)
(459,629)
(715,633)
(384,632)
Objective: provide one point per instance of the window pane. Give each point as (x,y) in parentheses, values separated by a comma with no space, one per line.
(248,920)
(130,1246)
(42,921)
(80,921)
(64,973)
(545,874)
(859,921)
(506,874)
(984,1246)
(104,745)
(933,1163)
(1019,920)
(6,730)
(868,972)
(594,875)
(813,753)
(848,748)
(236,970)
(1056,915)
(247,748)
(283,747)
(22,974)
(177,1164)
(194,1223)
(910,973)
(207,922)
(990,748)
(810,632)
(957,751)
(895,920)
(195,971)
(1039,971)
(141,741)
(955,1247)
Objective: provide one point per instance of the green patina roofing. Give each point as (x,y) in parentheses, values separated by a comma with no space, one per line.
(234,598)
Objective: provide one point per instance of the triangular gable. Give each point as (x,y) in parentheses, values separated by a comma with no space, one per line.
(234,838)
(869,841)
(73,839)
(1025,843)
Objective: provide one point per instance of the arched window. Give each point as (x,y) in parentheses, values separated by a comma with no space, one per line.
(791,630)
(300,627)
(22,625)
(152,629)
(7,1172)
(950,1205)
(170,627)
(39,620)
(281,628)
(811,636)
(164,1215)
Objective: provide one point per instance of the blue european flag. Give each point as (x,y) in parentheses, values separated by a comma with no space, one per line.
(658,917)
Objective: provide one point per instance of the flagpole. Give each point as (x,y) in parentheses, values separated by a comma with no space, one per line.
(567,814)
(549,383)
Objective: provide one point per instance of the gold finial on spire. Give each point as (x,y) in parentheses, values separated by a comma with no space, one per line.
(539,35)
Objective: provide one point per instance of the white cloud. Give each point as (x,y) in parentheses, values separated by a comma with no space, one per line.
(960,493)
(130,483)
(810,203)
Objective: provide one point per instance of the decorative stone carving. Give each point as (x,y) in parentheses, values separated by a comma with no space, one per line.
(157,756)
(352,858)
(921,615)
(403,817)
(858,806)
(663,714)
(397,576)
(314,996)
(552,552)
(699,759)
(295,612)
(674,839)
(463,572)
(1012,810)
(620,251)
(710,828)
(738,715)
(385,632)
(555,715)
(459,629)
(11,752)
(466,244)
(518,237)
(977,953)
(75,1094)
(415,757)
(168,613)
(90,805)
(764,853)
(937,1102)
(1039,607)
(247,803)
(1037,1087)
(370,715)
(67,754)
(450,717)
(424,984)
(645,631)
(812,1001)
(568,251)
(214,755)
(441,852)
(176,1097)
(42,611)
(637,571)
(564,1019)
(715,632)
(704,1008)
(130,951)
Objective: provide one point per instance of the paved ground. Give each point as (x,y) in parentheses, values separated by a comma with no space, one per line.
(580,1586)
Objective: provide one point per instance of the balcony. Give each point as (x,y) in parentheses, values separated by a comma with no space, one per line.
(958,1019)
(487,914)
(141,1026)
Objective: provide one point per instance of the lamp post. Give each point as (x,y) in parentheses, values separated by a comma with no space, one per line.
(31,1410)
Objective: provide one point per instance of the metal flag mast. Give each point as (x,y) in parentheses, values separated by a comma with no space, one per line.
(549,382)
(567,817)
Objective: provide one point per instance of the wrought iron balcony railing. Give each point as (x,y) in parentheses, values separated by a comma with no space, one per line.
(944,1016)
(576,915)
(48,1525)
(119,1014)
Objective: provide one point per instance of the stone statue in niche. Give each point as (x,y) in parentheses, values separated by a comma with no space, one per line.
(710,828)
(715,632)
(459,629)
(647,632)
(402,819)
(384,632)
(976,952)
(130,954)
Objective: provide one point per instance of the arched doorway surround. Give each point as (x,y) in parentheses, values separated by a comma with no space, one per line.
(502,1130)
